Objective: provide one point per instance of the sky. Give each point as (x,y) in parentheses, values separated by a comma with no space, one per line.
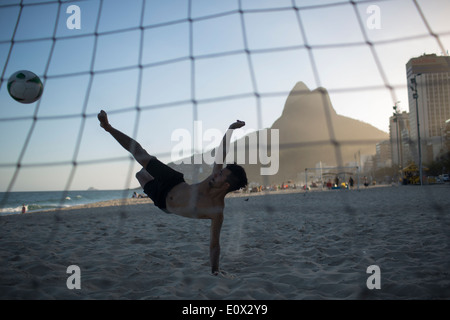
(157,67)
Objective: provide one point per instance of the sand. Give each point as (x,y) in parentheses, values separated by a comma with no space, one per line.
(288,246)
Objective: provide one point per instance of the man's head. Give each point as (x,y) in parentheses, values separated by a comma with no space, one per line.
(237,178)
(230,178)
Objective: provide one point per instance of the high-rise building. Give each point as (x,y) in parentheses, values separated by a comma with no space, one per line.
(428,87)
(383,156)
(446,137)
(399,136)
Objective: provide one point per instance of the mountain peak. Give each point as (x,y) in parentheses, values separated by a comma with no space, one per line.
(300,87)
(310,131)
(307,107)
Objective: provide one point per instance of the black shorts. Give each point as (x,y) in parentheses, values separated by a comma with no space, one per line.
(165,179)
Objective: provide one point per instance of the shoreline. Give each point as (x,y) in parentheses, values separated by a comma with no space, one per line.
(119,202)
(139,201)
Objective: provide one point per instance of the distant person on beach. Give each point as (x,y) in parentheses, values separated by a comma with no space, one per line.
(366,183)
(135,195)
(24,209)
(169,191)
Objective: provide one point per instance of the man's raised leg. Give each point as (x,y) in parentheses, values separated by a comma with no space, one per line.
(141,156)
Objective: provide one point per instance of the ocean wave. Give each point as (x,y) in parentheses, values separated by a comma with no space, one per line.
(11,210)
(30,208)
(46,200)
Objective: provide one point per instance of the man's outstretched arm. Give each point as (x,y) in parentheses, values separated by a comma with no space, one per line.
(224,147)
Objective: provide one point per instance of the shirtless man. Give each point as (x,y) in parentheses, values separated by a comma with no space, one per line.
(168,190)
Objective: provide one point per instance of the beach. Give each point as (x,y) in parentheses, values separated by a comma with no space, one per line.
(274,246)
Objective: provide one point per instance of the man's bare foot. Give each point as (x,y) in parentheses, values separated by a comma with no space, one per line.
(103,118)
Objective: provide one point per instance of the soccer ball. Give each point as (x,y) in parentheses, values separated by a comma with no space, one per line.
(25,87)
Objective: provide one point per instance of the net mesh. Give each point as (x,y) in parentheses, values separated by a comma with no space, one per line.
(140,67)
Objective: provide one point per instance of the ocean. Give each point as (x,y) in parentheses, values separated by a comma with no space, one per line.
(12,202)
